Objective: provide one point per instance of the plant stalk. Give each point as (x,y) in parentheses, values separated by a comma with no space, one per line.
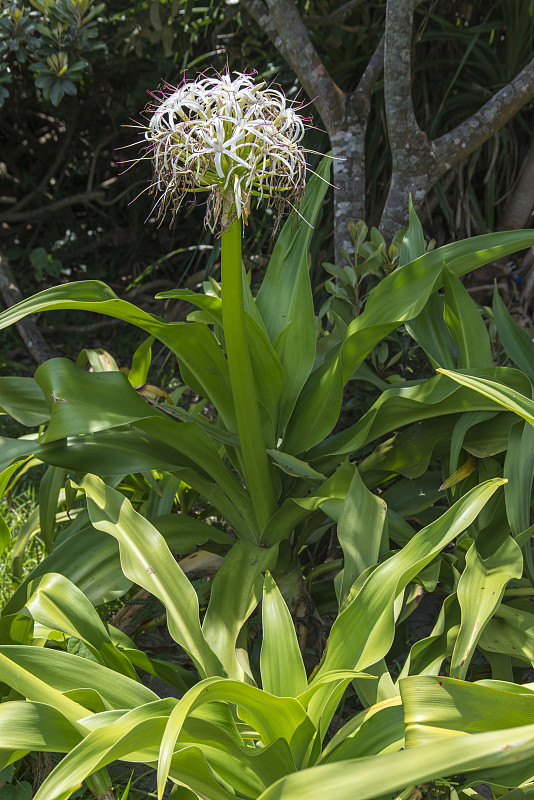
(253,450)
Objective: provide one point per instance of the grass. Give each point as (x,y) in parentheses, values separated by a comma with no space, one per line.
(16,511)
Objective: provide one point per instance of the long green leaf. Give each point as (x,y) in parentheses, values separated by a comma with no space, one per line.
(266,367)
(516,341)
(58,604)
(511,631)
(282,669)
(437,709)
(317,408)
(85,402)
(402,295)
(147,561)
(5,536)
(386,775)
(405,405)
(235,593)
(22,399)
(378,729)
(428,327)
(363,632)
(500,393)
(360,532)
(465,324)
(427,655)
(46,675)
(272,717)
(480,591)
(35,726)
(193,343)
(285,299)
(429,330)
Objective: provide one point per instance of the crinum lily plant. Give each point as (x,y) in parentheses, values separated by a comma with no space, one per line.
(274,478)
(238,141)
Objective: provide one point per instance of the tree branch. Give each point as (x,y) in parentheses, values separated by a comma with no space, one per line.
(372,72)
(35,213)
(477,129)
(400,116)
(302,57)
(260,14)
(30,334)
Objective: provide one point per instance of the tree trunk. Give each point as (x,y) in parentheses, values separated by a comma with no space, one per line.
(518,210)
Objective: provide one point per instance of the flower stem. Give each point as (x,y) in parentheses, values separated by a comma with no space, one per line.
(255,460)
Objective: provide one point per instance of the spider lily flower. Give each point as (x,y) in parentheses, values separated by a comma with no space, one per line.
(230,137)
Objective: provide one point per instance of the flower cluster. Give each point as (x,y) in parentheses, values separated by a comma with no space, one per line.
(230,137)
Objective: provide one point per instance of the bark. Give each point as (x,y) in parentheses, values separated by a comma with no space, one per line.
(518,210)
(417,162)
(28,330)
(343,114)
(413,167)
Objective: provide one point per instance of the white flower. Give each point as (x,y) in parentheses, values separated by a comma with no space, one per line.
(229,137)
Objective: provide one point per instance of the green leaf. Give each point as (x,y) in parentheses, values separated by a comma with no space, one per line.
(403,406)
(49,490)
(427,655)
(403,293)
(35,726)
(378,729)
(465,324)
(84,402)
(282,669)
(285,299)
(519,472)
(235,593)
(194,345)
(294,466)
(95,570)
(516,341)
(363,632)
(147,561)
(57,603)
(360,532)
(141,359)
(428,327)
(500,393)
(5,536)
(384,776)
(272,717)
(49,676)
(480,592)
(413,240)
(437,709)
(511,631)
(328,497)
(429,330)
(22,399)
(266,367)
(317,408)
